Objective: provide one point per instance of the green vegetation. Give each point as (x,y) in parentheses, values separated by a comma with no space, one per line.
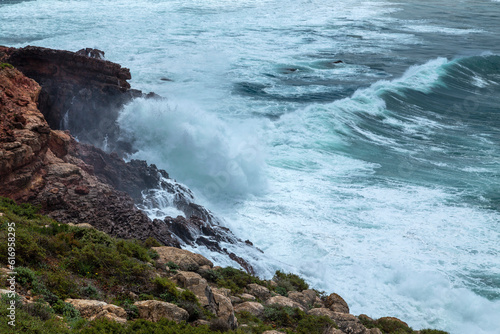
(57,261)
(288,282)
(233,279)
(5,65)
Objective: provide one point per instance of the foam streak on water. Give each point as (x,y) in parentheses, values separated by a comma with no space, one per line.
(355,142)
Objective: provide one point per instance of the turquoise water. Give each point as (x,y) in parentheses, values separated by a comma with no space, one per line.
(377,177)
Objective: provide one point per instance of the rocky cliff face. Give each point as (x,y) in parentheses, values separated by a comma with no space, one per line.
(79,93)
(75,182)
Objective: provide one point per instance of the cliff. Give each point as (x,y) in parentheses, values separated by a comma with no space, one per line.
(73,181)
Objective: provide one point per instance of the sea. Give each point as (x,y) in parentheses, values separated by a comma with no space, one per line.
(356,143)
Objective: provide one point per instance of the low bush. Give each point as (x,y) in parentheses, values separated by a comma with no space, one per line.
(289,282)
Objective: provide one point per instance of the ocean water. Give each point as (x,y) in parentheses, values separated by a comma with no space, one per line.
(357,143)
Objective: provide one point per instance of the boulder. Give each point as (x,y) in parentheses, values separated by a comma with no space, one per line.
(247,296)
(154,310)
(336,303)
(198,285)
(305,298)
(94,309)
(225,311)
(254,308)
(259,291)
(321,312)
(186,260)
(284,301)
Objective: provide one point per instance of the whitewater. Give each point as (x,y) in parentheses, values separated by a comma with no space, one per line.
(357,143)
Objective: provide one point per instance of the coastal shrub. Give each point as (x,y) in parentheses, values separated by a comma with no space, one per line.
(432,331)
(39,309)
(25,276)
(235,279)
(172,266)
(211,275)
(90,291)
(289,282)
(5,65)
(219,325)
(61,283)
(314,324)
(140,326)
(283,316)
(23,210)
(27,323)
(152,242)
(66,310)
(255,325)
(28,252)
(131,309)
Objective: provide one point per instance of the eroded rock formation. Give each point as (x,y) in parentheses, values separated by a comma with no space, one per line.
(75,182)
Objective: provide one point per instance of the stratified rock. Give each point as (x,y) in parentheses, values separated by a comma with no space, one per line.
(154,310)
(259,291)
(186,260)
(80,93)
(336,303)
(254,308)
(284,301)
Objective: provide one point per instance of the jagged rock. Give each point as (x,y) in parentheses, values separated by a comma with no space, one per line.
(349,323)
(92,53)
(94,309)
(235,299)
(224,310)
(80,93)
(186,260)
(259,291)
(199,286)
(223,291)
(78,183)
(154,310)
(254,308)
(284,301)
(336,303)
(305,298)
(272,332)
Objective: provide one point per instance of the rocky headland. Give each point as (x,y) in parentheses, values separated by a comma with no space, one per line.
(98,261)
(48,98)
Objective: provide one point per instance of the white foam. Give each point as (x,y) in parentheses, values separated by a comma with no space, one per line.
(195,146)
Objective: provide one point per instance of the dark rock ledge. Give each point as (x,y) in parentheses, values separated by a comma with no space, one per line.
(51,96)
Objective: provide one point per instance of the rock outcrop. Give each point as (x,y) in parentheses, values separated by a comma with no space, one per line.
(75,182)
(186,260)
(79,93)
(93,309)
(154,310)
